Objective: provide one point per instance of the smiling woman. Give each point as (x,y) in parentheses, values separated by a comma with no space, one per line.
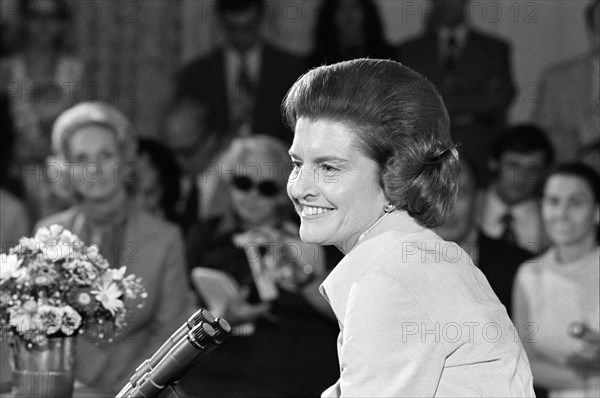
(560,287)
(374,169)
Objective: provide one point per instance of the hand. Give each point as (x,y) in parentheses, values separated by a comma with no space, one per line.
(238,310)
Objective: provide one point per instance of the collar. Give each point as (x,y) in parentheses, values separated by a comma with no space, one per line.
(496,206)
(394,228)
(252,57)
(460,34)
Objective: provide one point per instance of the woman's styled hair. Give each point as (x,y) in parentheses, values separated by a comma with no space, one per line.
(94,113)
(87,114)
(261,156)
(400,122)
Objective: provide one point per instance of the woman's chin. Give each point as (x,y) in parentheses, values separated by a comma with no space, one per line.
(309,235)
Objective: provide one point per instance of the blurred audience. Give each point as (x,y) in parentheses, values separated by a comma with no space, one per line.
(246,78)
(556,299)
(497,259)
(519,161)
(348,29)
(197,144)
(284,336)
(472,70)
(41,79)
(14,221)
(569,104)
(98,140)
(11,26)
(158,179)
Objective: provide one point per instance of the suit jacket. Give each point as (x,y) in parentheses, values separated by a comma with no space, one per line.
(204,79)
(499,262)
(416,319)
(481,85)
(565,101)
(153,251)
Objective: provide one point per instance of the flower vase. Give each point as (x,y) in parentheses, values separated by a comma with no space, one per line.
(43,369)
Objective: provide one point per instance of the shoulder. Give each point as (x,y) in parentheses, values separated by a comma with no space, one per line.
(201,63)
(416,41)
(489,40)
(277,56)
(575,65)
(277,52)
(415,260)
(10,204)
(531,269)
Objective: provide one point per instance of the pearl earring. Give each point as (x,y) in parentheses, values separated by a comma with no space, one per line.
(389,207)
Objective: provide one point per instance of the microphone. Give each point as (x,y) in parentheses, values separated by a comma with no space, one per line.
(197,343)
(199,316)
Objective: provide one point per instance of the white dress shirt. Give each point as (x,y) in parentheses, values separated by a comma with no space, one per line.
(527,221)
(233,64)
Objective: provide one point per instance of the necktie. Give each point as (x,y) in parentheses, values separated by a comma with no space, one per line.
(245,98)
(190,210)
(508,233)
(451,46)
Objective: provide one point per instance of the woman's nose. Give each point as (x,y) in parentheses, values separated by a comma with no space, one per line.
(303,183)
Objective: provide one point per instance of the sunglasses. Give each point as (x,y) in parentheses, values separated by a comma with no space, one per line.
(265,188)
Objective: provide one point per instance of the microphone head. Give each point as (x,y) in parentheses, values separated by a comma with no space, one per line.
(201,335)
(202,315)
(223,329)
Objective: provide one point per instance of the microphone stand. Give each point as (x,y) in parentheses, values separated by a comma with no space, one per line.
(220,331)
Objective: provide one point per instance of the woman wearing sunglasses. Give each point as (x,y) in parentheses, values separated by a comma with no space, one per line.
(283,342)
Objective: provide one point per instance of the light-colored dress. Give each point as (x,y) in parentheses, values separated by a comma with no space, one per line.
(417,318)
(548,297)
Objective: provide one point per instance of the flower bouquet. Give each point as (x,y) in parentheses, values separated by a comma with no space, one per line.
(53,287)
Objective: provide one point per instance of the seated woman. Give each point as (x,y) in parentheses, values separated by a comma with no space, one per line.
(556,299)
(98,142)
(284,334)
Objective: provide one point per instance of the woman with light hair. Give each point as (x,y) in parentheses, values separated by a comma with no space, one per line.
(96,145)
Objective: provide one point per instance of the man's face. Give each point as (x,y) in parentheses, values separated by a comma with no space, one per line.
(242,29)
(520,175)
(451,13)
(187,136)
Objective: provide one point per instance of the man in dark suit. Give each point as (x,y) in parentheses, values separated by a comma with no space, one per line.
(245,79)
(472,71)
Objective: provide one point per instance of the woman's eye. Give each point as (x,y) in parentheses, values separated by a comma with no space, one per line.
(328,168)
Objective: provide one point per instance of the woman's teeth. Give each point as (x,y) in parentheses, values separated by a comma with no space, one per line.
(313,211)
